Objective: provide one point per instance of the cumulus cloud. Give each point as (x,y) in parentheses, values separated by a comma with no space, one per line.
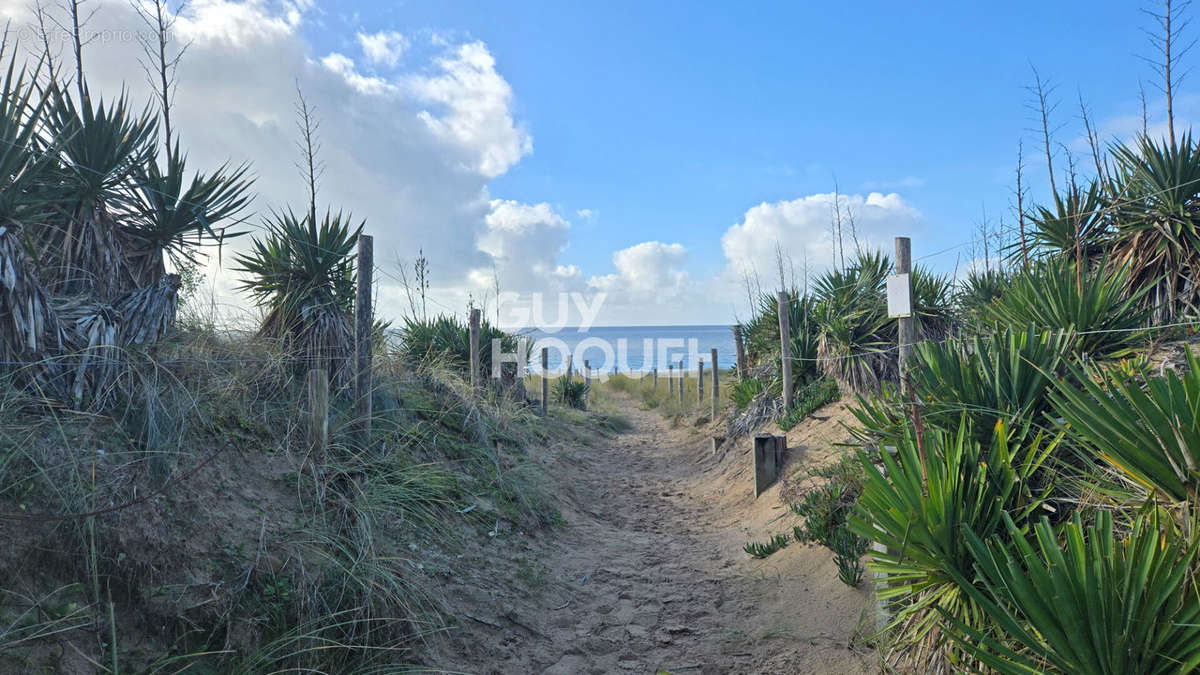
(801,228)
(383,48)
(525,242)
(477,103)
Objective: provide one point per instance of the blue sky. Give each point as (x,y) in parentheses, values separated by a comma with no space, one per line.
(655,152)
(669,120)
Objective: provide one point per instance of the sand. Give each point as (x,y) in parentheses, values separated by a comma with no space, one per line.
(649,573)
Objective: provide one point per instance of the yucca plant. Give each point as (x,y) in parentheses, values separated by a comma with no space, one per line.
(99,147)
(303,275)
(977,292)
(745,390)
(1098,603)
(1093,303)
(23,167)
(447,340)
(1149,434)
(933,302)
(919,510)
(854,332)
(167,208)
(570,392)
(1157,234)
(1004,376)
(1078,225)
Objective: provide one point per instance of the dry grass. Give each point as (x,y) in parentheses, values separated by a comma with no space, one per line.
(224,542)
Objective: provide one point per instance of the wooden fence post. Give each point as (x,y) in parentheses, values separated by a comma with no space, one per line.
(317,383)
(363,324)
(716,384)
(545,380)
(670,380)
(587,380)
(700,382)
(474,349)
(785,349)
(682,379)
(740,348)
(907,325)
(655,372)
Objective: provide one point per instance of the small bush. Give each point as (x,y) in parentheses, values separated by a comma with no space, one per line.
(757,550)
(744,391)
(569,393)
(812,397)
(447,339)
(848,549)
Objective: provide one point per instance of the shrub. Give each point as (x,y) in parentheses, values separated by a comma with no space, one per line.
(848,549)
(809,399)
(1093,303)
(1095,603)
(1157,232)
(920,509)
(1007,375)
(446,339)
(570,392)
(1150,435)
(745,390)
(775,543)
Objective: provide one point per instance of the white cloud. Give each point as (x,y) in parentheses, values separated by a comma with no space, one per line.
(802,229)
(476,102)
(585,214)
(344,66)
(383,48)
(648,271)
(524,243)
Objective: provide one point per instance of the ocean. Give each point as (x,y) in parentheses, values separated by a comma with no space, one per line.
(633,348)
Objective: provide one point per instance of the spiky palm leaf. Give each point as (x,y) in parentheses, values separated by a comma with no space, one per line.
(919,510)
(977,291)
(99,147)
(22,166)
(1003,376)
(1151,435)
(1157,188)
(855,334)
(1079,223)
(1096,604)
(1094,304)
(166,207)
(303,275)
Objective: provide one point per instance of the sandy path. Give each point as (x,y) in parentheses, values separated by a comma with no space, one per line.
(650,575)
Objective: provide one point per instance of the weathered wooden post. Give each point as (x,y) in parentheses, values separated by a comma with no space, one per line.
(545,380)
(785,349)
(670,380)
(740,348)
(474,349)
(362,338)
(682,379)
(907,324)
(700,382)
(768,457)
(587,380)
(716,384)
(317,384)
(655,372)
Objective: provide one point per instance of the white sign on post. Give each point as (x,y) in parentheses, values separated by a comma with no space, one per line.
(899,296)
